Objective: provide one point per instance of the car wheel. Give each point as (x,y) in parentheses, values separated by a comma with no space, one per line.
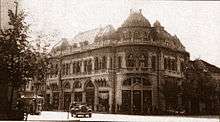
(77,115)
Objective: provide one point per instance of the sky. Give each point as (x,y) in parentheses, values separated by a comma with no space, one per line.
(196,23)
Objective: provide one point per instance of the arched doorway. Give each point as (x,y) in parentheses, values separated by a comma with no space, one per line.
(90,94)
(136,95)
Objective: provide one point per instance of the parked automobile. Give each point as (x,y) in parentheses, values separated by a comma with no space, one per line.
(80,109)
(178,111)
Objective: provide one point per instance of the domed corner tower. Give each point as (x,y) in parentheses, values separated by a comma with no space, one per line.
(147,57)
(136,26)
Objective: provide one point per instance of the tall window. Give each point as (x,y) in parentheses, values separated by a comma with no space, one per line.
(89,66)
(104,62)
(153,63)
(181,66)
(143,61)
(130,61)
(119,61)
(165,63)
(111,63)
(96,63)
(85,66)
(74,67)
(56,69)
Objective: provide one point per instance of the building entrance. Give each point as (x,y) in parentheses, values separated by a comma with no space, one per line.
(136,96)
(136,102)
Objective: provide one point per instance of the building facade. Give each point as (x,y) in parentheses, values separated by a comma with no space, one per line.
(117,70)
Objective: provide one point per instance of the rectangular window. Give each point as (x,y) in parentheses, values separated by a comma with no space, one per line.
(110,63)
(153,63)
(119,61)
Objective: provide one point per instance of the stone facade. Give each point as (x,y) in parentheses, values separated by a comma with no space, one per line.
(116,70)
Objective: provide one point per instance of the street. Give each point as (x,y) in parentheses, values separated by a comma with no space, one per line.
(49,115)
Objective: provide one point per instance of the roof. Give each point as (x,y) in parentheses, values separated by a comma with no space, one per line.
(136,19)
(205,65)
(87,36)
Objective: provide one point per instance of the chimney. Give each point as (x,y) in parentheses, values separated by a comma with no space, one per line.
(131,11)
(140,11)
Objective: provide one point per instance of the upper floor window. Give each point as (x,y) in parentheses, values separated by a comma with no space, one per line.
(67,85)
(85,66)
(119,61)
(130,61)
(89,66)
(96,63)
(111,63)
(101,82)
(77,85)
(146,82)
(153,62)
(127,82)
(143,61)
(104,62)
(181,66)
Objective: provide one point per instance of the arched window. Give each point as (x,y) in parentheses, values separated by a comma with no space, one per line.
(119,60)
(89,66)
(96,63)
(137,80)
(104,62)
(146,82)
(89,84)
(74,67)
(130,61)
(153,63)
(127,82)
(85,66)
(111,63)
(67,85)
(143,61)
(77,85)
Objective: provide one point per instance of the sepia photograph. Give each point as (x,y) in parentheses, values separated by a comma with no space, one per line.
(110,60)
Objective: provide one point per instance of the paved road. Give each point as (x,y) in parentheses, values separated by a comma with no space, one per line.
(47,115)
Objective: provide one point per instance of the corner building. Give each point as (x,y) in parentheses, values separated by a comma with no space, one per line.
(118,70)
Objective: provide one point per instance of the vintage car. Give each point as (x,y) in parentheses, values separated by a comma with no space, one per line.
(80,109)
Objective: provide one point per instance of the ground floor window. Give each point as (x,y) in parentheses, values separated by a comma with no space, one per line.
(67,100)
(55,102)
(78,97)
(103,105)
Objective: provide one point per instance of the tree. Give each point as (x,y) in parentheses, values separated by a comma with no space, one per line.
(199,86)
(16,54)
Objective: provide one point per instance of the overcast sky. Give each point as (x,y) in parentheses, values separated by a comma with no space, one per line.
(197,23)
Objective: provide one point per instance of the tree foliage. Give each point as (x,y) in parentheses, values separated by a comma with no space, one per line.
(199,82)
(15,53)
